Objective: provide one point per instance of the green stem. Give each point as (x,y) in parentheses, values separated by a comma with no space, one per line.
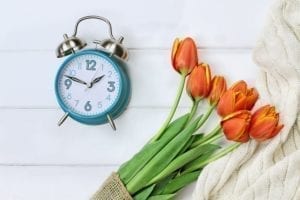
(215,131)
(220,154)
(193,110)
(206,116)
(213,139)
(173,109)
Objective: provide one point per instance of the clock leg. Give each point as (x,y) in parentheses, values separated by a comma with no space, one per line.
(63,119)
(111,122)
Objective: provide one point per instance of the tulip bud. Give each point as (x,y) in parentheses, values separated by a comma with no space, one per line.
(184,55)
(199,82)
(218,87)
(265,123)
(235,126)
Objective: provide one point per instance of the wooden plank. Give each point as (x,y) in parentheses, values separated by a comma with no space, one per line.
(31,136)
(49,183)
(28,77)
(40,25)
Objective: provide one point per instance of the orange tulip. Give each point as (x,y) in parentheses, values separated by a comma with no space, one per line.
(238,97)
(264,123)
(235,126)
(199,82)
(184,55)
(251,93)
(218,87)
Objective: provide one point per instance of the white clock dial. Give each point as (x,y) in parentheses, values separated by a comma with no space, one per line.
(89,85)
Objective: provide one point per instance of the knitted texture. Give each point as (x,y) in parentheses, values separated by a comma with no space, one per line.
(269,170)
(112,189)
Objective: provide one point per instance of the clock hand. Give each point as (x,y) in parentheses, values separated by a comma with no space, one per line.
(76,79)
(96,80)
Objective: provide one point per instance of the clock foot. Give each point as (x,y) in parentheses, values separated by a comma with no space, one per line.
(63,119)
(111,122)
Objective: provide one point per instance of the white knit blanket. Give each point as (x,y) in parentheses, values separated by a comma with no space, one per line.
(270,170)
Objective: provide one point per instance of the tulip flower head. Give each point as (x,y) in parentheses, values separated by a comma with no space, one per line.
(265,123)
(218,88)
(235,126)
(199,82)
(236,98)
(184,55)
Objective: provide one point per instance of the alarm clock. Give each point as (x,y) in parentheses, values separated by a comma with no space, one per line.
(92,85)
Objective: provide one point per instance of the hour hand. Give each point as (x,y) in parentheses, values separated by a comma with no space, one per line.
(76,79)
(96,80)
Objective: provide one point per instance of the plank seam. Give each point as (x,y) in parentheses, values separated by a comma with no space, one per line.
(56,165)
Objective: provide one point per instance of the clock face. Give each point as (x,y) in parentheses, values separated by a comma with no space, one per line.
(89,84)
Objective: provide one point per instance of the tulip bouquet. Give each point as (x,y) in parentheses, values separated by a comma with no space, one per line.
(176,154)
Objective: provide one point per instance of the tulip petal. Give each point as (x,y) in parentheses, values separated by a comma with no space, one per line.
(261,112)
(226,104)
(207,78)
(235,126)
(243,138)
(234,129)
(252,96)
(218,88)
(262,128)
(240,101)
(174,49)
(276,131)
(240,86)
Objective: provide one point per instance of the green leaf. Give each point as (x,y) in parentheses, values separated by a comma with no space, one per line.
(144,194)
(191,141)
(198,136)
(197,163)
(161,159)
(183,159)
(162,197)
(162,184)
(174,128)
(180,182)
(129,169)
(206,159)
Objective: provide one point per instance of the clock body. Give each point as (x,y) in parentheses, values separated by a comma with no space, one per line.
(91,84)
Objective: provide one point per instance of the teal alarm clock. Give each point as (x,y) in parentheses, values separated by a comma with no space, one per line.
(92,86)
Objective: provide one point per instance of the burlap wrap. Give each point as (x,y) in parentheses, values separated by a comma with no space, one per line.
(112,189)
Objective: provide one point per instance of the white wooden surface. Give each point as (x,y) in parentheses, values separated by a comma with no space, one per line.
(39,160)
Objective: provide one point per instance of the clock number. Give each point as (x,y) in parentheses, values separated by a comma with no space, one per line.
(91,65)
(88,106)
(108,98)
(111,86)
(109,74)
(99,104)
(68,83)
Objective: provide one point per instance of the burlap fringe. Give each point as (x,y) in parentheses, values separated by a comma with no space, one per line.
(112,189)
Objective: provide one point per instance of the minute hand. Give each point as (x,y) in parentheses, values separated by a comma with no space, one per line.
(76,79)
